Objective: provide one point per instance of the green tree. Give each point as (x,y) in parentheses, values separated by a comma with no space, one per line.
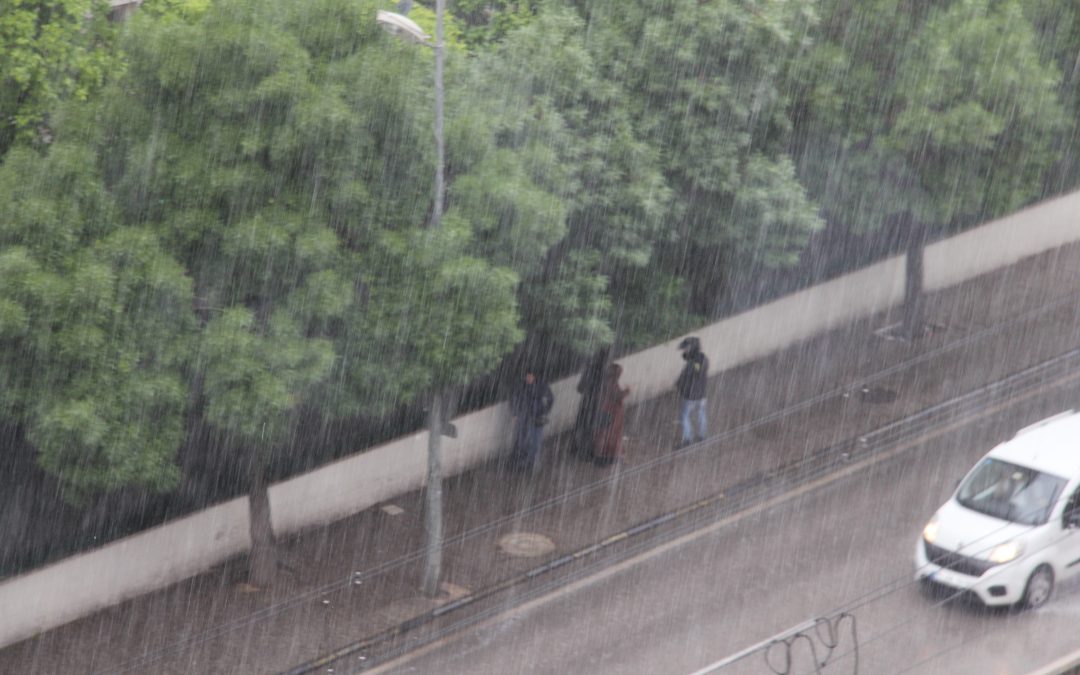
(955,126)
(487,22)
(50,51)
(1057,28)
(704,89)
(231,136)
(95,329)
(281,152)
(564,127)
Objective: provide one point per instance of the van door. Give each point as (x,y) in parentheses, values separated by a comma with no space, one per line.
(1069,556)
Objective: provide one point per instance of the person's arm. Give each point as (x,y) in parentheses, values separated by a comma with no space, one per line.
(680,384)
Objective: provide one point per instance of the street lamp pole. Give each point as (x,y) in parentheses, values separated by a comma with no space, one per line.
(440,154)
(402,26)
(433,513)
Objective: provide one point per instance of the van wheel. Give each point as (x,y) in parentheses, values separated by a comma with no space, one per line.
(1039,586)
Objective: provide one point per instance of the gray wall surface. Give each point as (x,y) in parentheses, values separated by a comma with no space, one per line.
(77,586)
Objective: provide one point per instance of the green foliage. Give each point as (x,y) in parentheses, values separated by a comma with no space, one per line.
(652,308)
(453,35)
(770,197)
(710,100)
(434,316)
(488,22)
(177,10)
(246,204)
(235,129)
(1057,28)
(50,51)
(516,220)
(564,127)
(957,122)
(704,96)
(55,208)
(979,111)
(573,303)
(258,373)
(283,152)
(94,329)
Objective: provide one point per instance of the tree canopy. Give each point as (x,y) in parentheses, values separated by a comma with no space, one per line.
(50,51)
(220,212)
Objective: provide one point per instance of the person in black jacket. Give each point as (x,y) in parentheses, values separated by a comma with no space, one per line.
(692,385)
(530,405)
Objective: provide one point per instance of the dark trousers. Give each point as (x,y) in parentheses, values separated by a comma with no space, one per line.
(528,438)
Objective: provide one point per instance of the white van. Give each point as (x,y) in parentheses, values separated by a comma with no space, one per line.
(1012,528)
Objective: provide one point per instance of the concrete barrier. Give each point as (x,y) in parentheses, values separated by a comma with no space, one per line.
(153,559)
(77,586)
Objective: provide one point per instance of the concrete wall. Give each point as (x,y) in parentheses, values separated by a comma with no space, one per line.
(82,584)
(1003,241)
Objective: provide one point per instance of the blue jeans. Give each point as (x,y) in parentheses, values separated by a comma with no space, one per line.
(527,442)
(685,416)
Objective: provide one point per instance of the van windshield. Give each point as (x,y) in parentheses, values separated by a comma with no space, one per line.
(1010,492)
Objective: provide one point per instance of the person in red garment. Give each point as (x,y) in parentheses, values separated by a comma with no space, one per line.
(607,440)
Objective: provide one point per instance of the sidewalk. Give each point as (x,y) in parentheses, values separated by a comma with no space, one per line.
(359,576)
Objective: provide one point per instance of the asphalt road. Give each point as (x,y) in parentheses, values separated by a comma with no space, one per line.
(840,548)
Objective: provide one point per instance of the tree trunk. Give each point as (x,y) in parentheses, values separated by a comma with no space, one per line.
(262,561)
(913,281)
(433,515)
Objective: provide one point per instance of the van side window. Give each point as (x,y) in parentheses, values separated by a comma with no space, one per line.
(1072,510)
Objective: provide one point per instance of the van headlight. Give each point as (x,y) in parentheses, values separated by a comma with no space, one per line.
(930,530)
(1004,553)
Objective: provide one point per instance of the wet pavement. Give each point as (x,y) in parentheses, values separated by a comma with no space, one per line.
(359,577)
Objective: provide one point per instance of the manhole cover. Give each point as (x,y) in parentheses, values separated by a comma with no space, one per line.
(526,544)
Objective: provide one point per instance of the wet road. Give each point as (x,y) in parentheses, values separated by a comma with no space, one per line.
(840,549)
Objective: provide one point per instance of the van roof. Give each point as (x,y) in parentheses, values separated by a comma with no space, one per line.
(1051,446)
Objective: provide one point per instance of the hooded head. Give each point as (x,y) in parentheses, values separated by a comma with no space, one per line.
(690,345)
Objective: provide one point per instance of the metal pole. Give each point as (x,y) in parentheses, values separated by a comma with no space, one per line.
(433,516)
(440,188)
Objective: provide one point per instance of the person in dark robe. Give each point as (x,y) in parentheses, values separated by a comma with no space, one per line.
(607,438)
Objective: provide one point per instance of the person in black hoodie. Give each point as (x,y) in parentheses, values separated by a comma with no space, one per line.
(692,385)
(530,405)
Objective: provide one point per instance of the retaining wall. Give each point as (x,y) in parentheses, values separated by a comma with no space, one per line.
(77,586)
